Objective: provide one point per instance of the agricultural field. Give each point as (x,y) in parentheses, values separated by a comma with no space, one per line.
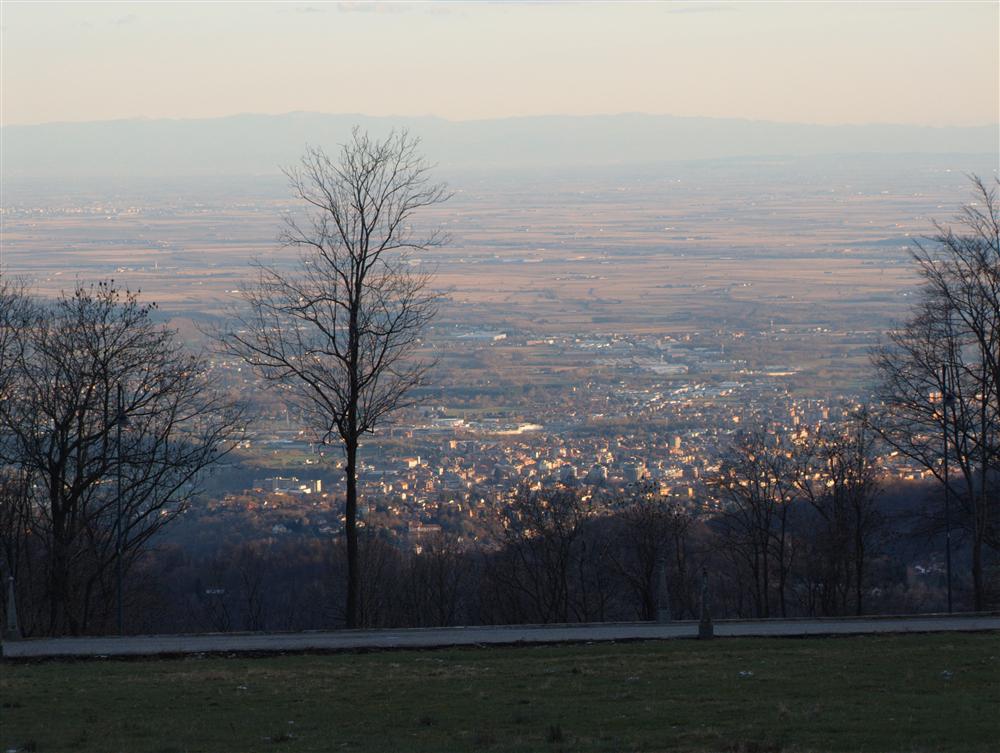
(655,249)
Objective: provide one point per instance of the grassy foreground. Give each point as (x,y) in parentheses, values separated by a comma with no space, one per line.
(893,693)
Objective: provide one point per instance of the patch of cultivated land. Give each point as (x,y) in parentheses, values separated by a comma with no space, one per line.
(892,693)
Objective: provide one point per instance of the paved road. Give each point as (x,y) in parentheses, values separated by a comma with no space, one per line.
(344,640)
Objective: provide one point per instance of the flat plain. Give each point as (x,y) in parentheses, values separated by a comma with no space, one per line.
(800,263)
(888,693)
(654,249)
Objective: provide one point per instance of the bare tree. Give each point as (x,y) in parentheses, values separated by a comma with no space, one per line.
(756,484)
(837,476)
(653,532)
(15,547)
(961,272)
(939,374)
(17,317)
(436,577)
(532,575)
(341,330)
(17,314)
(89,364)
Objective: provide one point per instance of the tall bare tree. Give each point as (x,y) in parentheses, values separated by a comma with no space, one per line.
(342,328)
(17,317)
(939,374)
(87,365)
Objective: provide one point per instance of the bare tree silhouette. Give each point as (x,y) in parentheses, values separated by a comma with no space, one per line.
(939,374)
(84,367)
(341,330)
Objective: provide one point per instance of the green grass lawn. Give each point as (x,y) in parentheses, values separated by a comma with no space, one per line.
(879,694)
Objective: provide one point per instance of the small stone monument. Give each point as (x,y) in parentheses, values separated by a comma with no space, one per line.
(11,630)
(662,595)
(705,628)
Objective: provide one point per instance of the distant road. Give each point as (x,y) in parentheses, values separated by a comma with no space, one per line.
(346,640)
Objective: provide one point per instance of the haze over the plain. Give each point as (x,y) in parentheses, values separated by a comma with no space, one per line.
(259,144)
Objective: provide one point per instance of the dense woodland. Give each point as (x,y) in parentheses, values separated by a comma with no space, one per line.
(557,560)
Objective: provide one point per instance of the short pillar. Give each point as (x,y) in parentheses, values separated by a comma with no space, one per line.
(11,630)
(705,628)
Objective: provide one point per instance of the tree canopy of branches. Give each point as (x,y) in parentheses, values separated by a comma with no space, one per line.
(756,485)
(67,366)
(17,311)
(548,566)
(654,532)
(837,476)
(341,330)
(939,373)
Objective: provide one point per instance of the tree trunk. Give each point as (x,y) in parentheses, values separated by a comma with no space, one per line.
(59,573)
(351,449)
(766,572)
(859,569)
(977,570)
(351,531)
(782,567)
(979,514)
(57,589)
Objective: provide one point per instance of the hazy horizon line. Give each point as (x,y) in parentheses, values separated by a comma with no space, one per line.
(553,115)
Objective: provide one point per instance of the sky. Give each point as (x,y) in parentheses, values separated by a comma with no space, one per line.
(930,63)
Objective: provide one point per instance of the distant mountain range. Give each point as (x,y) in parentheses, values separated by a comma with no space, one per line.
(259,144)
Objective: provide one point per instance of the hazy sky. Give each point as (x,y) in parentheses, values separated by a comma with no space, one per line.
(923,63)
